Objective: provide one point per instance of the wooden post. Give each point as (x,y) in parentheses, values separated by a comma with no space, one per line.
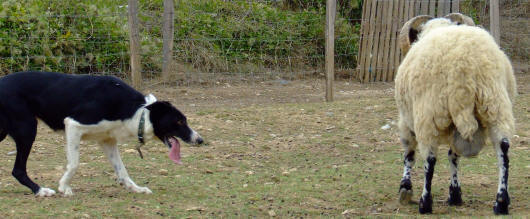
(168,31)
(494,21)
(134,36)
(331,9)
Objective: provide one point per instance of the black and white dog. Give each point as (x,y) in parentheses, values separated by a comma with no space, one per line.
(100,108)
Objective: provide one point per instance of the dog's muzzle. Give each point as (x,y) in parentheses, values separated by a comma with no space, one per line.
(196,138)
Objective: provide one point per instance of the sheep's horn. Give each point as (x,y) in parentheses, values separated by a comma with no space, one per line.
(409,32)
(460,19)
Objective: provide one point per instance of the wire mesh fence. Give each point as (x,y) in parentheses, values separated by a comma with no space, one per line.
(215,42)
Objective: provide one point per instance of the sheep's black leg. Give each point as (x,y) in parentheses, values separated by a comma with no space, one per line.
(405,187)
(426,197)
(503,199)
(455,194)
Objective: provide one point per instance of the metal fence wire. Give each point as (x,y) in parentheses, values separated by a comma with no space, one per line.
(214,42)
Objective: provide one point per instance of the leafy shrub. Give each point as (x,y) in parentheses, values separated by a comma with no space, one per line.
(67,36)
(91,36)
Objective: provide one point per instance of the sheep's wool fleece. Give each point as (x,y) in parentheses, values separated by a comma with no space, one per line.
(454,75)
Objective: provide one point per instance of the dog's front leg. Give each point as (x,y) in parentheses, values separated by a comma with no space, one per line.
(73,138)
(113,154)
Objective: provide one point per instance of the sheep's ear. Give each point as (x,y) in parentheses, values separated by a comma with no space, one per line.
(410,30)
(460,19)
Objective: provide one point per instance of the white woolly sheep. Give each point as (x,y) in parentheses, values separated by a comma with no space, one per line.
(454,86)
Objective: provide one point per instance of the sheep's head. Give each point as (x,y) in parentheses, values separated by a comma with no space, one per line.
(411,30)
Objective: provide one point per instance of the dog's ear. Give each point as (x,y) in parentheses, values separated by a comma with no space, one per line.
(149,99)
(159,106)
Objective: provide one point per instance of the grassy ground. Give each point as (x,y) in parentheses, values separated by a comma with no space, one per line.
(272,150)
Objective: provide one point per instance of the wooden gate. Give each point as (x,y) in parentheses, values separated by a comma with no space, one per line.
(379,53)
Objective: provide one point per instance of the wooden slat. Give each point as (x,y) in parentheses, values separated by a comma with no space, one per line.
(417,7)
(441,9)
(401,22)
(365,29)
(432,7)
(406,10)
(455,6)
(411,9)
(447,7)
(382,40)
(369,55)
(382,35)
(393,41)
(377,41)
(407,15)
(388,37)
(367,37)
(424,7)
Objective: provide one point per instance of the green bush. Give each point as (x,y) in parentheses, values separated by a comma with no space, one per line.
(68,36)
(91,36)
(216,35)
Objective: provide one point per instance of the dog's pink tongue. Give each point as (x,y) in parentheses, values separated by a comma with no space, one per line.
(174,152)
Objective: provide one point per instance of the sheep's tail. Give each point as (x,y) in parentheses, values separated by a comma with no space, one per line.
(468,136)
(475,105)
(461,104)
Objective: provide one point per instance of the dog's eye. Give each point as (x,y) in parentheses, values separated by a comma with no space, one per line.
(180,122)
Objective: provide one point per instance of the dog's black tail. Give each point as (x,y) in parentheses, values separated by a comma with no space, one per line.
(3,132)
(3,135)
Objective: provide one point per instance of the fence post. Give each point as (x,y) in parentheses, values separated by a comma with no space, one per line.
(331,9)
(168,26)
(134,36)
(494,21)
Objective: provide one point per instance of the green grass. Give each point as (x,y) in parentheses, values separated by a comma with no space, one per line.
(291,160)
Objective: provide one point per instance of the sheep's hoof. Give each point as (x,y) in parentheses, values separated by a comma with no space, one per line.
(405,196)
(502,202)
(455,196)
(426,204)
(405,192)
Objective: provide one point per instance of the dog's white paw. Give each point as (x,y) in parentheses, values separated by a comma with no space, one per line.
(45,192)
(66,190)
(142,190)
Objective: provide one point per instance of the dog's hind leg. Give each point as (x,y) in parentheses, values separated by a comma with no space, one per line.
(73,139)
(111,150)
(24,135)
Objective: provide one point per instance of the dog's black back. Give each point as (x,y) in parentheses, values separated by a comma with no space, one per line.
(54,96)
(82,104)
